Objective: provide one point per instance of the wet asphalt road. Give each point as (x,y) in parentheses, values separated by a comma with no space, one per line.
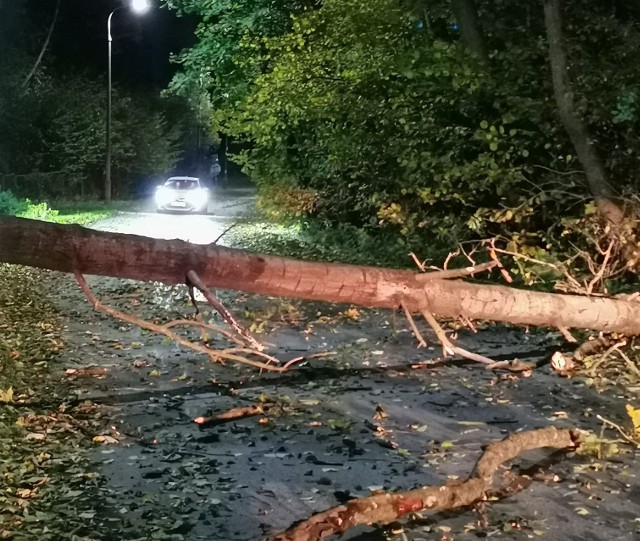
(168,480)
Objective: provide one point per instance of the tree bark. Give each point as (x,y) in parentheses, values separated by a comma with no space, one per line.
(578,132)
(71,248)
(466,14)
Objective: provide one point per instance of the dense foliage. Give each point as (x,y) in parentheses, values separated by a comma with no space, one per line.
(376,114)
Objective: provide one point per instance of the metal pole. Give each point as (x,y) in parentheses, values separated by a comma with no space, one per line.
(107,169)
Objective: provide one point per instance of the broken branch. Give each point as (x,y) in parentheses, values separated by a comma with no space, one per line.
(193,280)
(448,347)
(422,343)
(214,355)
(234,414)
(386,508)
(457,273)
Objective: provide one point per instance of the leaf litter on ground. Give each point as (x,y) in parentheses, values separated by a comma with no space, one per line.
(47,490)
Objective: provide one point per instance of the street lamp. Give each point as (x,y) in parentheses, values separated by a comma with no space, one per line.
(139,7)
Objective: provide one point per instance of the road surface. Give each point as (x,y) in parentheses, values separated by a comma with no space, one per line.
(224,206)
(165,479)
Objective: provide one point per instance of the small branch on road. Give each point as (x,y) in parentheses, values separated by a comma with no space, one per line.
(224,232)
(234,414)
(389,507)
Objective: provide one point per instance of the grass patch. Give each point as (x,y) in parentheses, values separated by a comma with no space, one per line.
(62,212)
(87,212)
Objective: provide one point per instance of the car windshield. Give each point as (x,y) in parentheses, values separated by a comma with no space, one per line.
(182,184)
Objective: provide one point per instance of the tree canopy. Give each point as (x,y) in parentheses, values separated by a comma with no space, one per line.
(433,121)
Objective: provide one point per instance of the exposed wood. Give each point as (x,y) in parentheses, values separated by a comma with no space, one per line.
(70,248)
(387,508)
(234,414)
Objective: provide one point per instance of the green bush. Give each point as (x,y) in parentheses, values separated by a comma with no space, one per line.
(25,208)
(38,211)
(10,204)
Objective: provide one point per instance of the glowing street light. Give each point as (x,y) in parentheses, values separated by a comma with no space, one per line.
(139,7)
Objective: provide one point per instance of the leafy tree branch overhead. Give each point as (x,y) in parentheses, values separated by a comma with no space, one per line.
(422,119)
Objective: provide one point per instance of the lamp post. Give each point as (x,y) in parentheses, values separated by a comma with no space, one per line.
(139,7)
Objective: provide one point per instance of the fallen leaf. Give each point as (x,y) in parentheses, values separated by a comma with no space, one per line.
(104,439)
(380,413)
(6,396)
(634,415)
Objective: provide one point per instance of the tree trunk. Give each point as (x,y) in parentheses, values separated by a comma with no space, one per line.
(466,14)
(602,191)
(44,46)
(71,248)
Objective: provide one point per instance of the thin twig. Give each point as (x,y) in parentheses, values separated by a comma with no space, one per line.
(447,346)
(419,264)
(619,429)
(214,355)
(630,363)
(205,326)
(456,273)
(600,274)
(296,360)
(577,286)
(469,324)
(605,356)
(422,343)
(225,232)
(193,280)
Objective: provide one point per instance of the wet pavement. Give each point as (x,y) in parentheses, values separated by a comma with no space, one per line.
(224,204)
(318,446)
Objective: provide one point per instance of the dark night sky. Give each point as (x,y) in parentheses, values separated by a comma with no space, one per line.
(141,43)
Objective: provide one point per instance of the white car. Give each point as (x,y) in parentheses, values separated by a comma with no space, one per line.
(184,194)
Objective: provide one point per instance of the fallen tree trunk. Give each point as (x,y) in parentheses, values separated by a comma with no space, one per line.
(70,248)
